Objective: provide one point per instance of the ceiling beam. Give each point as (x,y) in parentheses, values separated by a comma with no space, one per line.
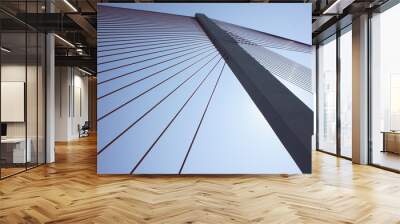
(86,27)
(78,61)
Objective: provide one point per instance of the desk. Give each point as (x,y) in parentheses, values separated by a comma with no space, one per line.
(391,141)
(13,150)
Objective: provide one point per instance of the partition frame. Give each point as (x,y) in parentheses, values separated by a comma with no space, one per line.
(382,8)
(44,80)
(337,35)
(387,5)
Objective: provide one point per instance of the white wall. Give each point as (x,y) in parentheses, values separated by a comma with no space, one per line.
(16,73)
(80,109)
(71,94)
(13,99)
(33,126)
(61,103)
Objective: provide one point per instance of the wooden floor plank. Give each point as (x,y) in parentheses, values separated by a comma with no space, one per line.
(70,191)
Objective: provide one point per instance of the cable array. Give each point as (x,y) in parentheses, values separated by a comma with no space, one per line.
(142,54)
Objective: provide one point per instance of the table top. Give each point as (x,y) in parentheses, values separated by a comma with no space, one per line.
(13,140)
(391,132)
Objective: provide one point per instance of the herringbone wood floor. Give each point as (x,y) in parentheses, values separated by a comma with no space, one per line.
(69,191)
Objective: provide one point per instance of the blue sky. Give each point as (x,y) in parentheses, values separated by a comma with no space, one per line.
(136,82)
(291,21)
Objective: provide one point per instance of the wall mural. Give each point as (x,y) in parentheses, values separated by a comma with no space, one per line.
(185,90)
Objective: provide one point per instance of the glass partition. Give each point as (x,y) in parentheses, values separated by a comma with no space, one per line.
(346,92)
(385,89)
(41,96)
(31,99)
(22,88)
(13,91)
(327,96)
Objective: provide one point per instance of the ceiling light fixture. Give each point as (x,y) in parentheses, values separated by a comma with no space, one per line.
(84,71)
(79,51)
(337,7)
(5,50)
(64,40)
(70,5)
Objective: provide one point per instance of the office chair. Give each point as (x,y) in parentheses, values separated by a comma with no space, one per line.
(84,130)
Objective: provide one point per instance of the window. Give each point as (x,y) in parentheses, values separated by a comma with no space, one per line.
(346,92)
(327,96)
(385,89)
